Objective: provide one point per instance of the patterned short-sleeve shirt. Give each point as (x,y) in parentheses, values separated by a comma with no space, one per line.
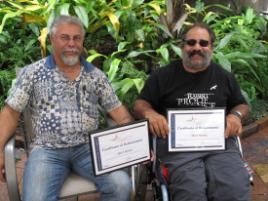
(62,111)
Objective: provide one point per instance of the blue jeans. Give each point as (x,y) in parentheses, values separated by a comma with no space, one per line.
(46,169)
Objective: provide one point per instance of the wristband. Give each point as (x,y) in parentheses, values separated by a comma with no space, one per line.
(238,114)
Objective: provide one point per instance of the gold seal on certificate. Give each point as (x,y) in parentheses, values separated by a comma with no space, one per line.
(196,129)
(120,146)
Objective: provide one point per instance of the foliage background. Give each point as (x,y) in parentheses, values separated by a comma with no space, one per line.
(128,39)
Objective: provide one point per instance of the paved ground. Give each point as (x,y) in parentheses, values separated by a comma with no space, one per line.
(255,149)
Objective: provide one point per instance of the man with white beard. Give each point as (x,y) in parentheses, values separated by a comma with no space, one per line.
(196,82)
(63,91)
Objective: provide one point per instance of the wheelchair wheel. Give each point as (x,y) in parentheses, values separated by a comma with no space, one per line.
(160,192)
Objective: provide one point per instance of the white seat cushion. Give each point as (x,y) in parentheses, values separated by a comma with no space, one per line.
(76,184)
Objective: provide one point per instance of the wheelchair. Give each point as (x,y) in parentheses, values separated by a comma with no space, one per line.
(159,175)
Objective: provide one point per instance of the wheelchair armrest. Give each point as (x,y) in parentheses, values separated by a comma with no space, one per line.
(10,171)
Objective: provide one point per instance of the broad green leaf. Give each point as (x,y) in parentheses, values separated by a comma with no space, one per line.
(122,45)
(199,6)
(33,8)
(113,69)
(224,41)
(24,1)
(248,55)
(246,64)
(139,83)
(176,49)
(133,54)
(140,35)
(82,14)
(156,7)
(127,84)
(165,30)
(33,18)
(18,6)
(64,8)
(210,16)
(223,7)
(243,42)
(9,15)
(30,44)
(94,55)
(35,29)
(51,19)
(114,20)
(240,22)
(51,5)
(249,15)
(189,9)
(164,53)
(223,61)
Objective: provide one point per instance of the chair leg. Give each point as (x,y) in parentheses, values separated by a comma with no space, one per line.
(142,184)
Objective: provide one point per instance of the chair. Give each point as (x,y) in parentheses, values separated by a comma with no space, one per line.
(74,185)
(159,174)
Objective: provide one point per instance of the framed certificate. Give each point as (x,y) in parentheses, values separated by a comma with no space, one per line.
(196,129)
(120,146)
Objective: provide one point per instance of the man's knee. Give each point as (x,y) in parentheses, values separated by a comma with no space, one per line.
(188,192)
(232,190)
(188,184)
(121,181)
(115,186)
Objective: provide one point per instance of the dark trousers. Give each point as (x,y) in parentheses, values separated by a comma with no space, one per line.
(206,176)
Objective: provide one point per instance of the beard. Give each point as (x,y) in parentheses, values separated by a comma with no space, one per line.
(187,61)
(70,60)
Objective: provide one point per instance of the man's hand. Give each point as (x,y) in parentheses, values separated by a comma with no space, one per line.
(2,173)
(233,125)
(158,124)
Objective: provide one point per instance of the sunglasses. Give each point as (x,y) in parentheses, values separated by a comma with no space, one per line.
(192,42)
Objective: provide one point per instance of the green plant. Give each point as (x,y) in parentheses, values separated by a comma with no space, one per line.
(259,109)
(243,51)
(6,78)
(129,39)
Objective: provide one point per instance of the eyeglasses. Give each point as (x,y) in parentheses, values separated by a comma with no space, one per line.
(192,42)
(66,38)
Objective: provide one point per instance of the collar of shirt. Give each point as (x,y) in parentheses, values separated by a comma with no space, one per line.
(50,63)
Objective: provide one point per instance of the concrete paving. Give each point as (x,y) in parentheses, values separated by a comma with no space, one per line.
(255,148)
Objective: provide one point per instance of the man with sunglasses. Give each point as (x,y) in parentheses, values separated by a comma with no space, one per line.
(63,91)
(196,82)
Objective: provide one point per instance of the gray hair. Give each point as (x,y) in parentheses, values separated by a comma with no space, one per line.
(65,19)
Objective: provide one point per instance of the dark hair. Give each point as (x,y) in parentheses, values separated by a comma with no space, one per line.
(203,26)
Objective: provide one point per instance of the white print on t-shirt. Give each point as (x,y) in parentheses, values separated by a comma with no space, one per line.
(213,87)
(196,99)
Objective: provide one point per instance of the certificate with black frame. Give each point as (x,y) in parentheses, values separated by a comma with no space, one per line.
(196,129)
(120,146)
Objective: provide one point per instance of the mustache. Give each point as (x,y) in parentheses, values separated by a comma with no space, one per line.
(196,52)
(74,50)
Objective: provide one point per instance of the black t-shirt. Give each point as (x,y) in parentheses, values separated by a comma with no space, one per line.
(173,87)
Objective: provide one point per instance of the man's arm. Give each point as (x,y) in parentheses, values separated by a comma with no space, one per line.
(121,115)
(8,124)
(234,120)
(158,123)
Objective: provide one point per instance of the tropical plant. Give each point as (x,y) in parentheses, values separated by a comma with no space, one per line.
(128,39)
(243,51)
(6,78)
